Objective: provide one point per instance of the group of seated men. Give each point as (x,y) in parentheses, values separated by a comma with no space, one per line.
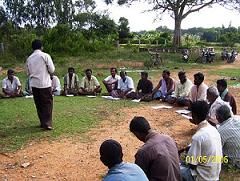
(158,158)
(181,93)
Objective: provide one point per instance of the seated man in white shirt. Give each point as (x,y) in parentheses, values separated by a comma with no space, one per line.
(204,157)
(215,102)
(125,86)
(89,84)
(56,86)
(111,81)
(182,90)
(229,129)
(71,82)
(11,86)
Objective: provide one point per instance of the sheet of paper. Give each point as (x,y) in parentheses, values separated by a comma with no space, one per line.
(183,111)
(110,98)
(69,95)
(186,116)
(136,100)
(92,96)
(162,107)
(29,96)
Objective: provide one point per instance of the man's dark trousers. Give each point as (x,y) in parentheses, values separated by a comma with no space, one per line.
(44,103)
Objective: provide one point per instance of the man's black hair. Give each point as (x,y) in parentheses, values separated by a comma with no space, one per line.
(167,72)
(88,70)
(200,110)
(71,68)
(114,68)
(36,44)
(181,73)
(139,124)
(145,74)
(111,153)
(222,82)
(200,76)
(10,71)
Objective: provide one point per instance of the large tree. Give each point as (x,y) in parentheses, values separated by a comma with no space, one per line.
(178,10)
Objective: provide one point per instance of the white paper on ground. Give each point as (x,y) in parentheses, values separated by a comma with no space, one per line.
(162,107)
(92,96)
(29,96)
(110,98)
(186,116)
(136,100)
(183,111)
(69,95)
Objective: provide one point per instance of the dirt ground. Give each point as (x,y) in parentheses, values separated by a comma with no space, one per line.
(78,158)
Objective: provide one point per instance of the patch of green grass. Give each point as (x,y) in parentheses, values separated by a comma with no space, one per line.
(71,116)
(228,73)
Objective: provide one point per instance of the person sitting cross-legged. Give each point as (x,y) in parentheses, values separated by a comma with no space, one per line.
(158,157)
(89,84)
(164,88)
(229,129)
(205,153)
(111,155)
(215,102)
(198,91)
(125,86)
(28,88)
(144,88)
(11,86)
(56,86)
(226,95)
(182,90)
(111,82)
(71,83)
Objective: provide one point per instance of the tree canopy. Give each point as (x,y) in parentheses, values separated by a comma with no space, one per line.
(179,10)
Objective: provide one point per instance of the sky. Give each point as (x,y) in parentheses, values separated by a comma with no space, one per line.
(206,18)
(138,20)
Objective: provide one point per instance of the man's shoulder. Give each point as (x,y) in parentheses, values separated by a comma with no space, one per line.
(129,78)
(94,77)
(5,79)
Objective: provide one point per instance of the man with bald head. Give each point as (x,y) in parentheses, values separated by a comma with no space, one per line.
(111,155)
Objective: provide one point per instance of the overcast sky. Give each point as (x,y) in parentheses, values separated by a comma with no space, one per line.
(207,18)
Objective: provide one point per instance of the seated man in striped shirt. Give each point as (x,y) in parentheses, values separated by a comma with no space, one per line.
(229,130)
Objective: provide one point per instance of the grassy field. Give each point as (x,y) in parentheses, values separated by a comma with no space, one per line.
(18,120)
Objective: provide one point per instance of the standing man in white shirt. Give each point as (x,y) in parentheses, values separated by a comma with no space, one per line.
(111,81)
(39,66)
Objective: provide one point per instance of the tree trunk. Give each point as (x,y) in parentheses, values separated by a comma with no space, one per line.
(177,32)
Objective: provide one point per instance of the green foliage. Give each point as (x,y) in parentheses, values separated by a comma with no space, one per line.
(19,44)
(123,29)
